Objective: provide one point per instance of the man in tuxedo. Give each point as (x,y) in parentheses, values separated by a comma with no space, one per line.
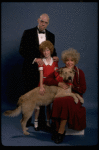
(29,49)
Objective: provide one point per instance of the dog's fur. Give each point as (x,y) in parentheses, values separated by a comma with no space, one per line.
(29,101)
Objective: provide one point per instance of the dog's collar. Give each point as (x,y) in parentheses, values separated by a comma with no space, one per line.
(69,83)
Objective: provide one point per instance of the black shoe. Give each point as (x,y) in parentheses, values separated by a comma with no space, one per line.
(37,129)
(59,138)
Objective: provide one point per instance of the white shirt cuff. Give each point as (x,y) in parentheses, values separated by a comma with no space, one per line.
(40,68)
(34,61)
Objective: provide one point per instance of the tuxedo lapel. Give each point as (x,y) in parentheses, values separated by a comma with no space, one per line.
(36,37)
(47,38)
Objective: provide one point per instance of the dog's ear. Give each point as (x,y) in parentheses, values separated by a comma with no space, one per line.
(74,70)
(60,70)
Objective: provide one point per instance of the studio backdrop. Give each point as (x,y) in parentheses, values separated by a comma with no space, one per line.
(75,24)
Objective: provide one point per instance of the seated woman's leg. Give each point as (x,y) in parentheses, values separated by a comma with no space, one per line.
(62,126)
(60,111)
(59,119)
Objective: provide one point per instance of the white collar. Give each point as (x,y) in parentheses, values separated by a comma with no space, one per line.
(46,63)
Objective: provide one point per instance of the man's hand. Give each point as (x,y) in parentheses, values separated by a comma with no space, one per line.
(39,61)
(55,58)
(63,85)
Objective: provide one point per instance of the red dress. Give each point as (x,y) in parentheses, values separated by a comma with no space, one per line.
(65,107)
(49,72)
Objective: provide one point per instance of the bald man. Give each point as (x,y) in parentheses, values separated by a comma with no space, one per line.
(29,49)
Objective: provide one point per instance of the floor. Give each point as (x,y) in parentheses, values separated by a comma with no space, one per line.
(11,132)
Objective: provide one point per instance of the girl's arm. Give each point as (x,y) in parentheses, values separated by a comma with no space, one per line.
(41,78)
(42,90)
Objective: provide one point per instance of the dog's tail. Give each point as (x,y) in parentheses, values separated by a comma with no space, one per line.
(13,113)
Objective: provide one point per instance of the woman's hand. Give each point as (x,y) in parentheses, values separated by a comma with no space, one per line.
(55,58)
(42,90)
(63,85)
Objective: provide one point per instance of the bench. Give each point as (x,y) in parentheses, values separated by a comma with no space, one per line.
(73,132)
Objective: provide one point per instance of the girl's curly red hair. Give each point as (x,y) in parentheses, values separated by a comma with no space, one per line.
(46,44)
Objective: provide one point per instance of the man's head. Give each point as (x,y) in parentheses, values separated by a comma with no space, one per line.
(43,22)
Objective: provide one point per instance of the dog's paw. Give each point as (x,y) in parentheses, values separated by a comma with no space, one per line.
(76,100)
(27,128)
(26,133)
(82,100)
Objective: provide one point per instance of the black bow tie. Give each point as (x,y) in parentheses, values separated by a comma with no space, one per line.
(41,32)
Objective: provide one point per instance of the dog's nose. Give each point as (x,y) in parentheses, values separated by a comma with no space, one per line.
(69,78)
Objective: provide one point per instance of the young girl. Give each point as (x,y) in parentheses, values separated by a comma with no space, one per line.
(47,76)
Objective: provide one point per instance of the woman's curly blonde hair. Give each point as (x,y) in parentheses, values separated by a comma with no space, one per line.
(70,53)
(44,45)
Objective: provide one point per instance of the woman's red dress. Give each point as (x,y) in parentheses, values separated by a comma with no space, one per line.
(65,107)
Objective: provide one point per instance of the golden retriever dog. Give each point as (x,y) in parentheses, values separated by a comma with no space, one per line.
(29,101)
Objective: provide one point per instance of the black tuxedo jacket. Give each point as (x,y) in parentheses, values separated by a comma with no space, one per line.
(29,48)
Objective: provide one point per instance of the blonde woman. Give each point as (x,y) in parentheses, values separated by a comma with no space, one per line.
(64,108)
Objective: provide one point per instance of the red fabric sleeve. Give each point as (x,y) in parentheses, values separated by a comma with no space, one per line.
(50,81)
(58,78)
(81,86)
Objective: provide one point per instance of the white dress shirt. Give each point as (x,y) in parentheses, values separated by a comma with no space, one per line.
(41,37)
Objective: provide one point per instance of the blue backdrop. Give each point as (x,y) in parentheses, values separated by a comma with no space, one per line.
(75,24)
